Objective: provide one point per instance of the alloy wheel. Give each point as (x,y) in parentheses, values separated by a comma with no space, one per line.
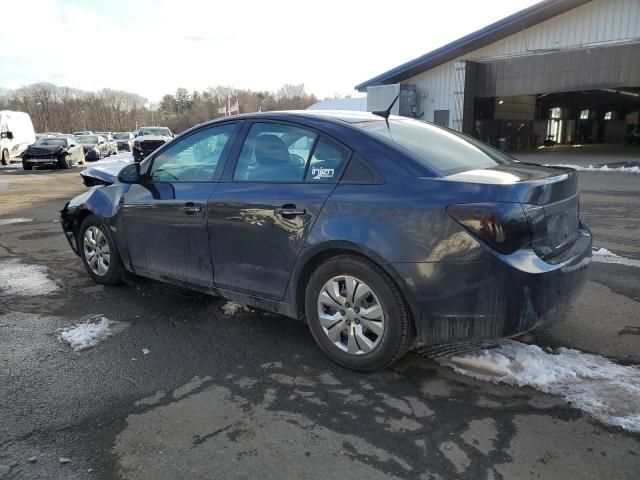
(96,250)
(351,315)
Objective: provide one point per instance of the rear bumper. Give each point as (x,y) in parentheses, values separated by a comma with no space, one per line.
(497,296)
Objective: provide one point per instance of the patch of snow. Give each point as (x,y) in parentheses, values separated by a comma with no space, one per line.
(601,168)
(605,390)
(232,308)
(96,329)
(10,221)
(605,256)
(24,280)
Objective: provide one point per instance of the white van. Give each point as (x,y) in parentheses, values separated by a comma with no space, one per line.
(16,134)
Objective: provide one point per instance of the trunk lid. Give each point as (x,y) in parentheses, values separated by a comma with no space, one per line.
(549,196)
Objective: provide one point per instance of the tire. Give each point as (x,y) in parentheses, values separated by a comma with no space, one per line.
(114,271)
(4,159)
(64,162)
(27,166)
(376,351)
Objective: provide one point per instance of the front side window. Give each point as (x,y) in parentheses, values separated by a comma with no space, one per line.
(274,152)
(194,158)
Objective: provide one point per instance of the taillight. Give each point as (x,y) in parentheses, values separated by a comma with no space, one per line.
(502,226)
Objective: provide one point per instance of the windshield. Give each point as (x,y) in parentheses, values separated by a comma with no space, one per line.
(445,150)
(51,142)
(155,131)
(121,136)
(87,139)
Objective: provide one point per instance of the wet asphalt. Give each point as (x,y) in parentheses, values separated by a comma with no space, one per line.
(250,395)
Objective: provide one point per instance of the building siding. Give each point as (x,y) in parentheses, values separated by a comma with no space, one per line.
(596,23)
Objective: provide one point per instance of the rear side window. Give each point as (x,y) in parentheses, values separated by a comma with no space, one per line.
(442,149)
(326,162)
(275,152)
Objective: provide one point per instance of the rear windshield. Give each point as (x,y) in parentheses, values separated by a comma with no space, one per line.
(444,150)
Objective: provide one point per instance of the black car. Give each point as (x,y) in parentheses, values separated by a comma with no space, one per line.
(95,146)
(380,235)
(61,152)
(633,136)
(148,139)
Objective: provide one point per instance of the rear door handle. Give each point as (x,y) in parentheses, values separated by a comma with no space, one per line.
(290,211)
(191,208)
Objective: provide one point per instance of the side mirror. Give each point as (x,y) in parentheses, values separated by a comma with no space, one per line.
(130,173)
(101,143)
(10,135)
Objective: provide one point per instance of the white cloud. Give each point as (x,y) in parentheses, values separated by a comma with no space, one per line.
(153,47)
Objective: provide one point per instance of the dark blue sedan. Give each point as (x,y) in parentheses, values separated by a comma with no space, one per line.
(380,233)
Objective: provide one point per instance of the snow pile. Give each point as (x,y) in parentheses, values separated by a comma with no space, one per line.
(232,308)
(607,391)
(90,333)
(10,221)
(602,168)
(25,280)
(605,256)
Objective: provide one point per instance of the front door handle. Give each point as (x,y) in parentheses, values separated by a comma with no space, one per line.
(290,211)
(191,208)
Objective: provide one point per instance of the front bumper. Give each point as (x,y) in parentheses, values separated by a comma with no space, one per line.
(497,296)
(124,146)
(41,160)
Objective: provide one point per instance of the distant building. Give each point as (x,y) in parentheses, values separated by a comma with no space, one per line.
(357,103)
(560,71)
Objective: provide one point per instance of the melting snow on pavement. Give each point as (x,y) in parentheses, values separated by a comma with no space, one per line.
(605,390)
(25,280)
(232,308)
(605,256)
(602,168)
(10,221)
(96,329)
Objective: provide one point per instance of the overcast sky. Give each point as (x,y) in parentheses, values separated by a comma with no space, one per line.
(152,47)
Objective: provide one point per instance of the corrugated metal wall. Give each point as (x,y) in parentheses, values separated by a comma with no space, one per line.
(597,22)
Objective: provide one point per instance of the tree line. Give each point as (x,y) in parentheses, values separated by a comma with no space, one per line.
(63,109)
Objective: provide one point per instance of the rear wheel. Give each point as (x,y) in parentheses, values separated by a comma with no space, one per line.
(98,254)
(5,157)
(357,315)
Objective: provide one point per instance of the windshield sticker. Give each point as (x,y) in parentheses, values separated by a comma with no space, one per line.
(319,173)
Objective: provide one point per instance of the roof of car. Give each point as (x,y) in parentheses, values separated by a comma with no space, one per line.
(348,116)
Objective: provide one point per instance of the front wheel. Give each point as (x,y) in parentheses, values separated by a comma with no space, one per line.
(4,159)
(98,254)
(357,315)
(64,162)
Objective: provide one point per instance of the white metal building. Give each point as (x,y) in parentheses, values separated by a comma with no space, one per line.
(561,71)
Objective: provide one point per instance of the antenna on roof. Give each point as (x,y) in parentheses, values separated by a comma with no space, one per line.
(385,113)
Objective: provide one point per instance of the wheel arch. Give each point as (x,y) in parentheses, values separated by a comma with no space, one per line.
(319,254)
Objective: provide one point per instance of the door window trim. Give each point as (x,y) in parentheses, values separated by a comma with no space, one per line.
(224,156)
(243,133)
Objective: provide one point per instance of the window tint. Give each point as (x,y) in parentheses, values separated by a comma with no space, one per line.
(357,171)
(194,158)
(442,149)
(327,162)
(274,152)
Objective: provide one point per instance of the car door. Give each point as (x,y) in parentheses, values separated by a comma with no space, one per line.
(266,204)
(165,216)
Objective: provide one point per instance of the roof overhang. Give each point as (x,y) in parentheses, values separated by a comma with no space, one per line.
(496,31)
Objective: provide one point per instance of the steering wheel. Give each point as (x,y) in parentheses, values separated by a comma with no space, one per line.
(164,172)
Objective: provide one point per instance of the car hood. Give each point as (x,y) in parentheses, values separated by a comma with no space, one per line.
(142,138)
(102,174)
(41,150)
